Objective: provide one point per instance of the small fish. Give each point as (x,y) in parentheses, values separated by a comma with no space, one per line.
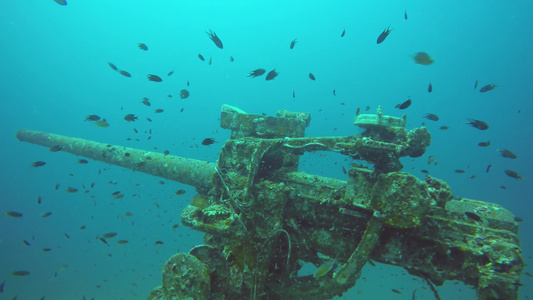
(109,235)
(103,241)
(39,199)
(180,192)
(293,94)
(344,170)
(83,227)
(61,2)
(488,87)
(92,118)
(124,73)
(343,32)
(396,291)
(460,171)
(444,127)
(159,110)
(256,72)
(213,36)
(38,164)
(478,124)
(130,117)
(71,190)
(175,226)
(55,148)
(231,59)
(311,76)
(201,57)
(334,93)
(154,78)
(210,60)
(432,117)
(20,273)
(13,214)
(208,141)
(46,214)
(159,243)
(324,268)
(293,43)
(184,94)
(102,124)
(384,35)
(507,154)
(128,214)
(57,186)
(271,75)
(513,174)
(503,187)
(142,46)
(423,58)
(484,144)
(112,66)
(146,101)
(122,242)
(83,161)
(26,243)
(46,250)
(488,168)
(66,235)
(166,152)
(424,171)
(115,193)
(475,84)
(148,119)
(473,216)
(404,105)
(405,15)
(2,286)
(430,88)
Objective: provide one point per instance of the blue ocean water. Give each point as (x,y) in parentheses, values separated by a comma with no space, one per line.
(54,62)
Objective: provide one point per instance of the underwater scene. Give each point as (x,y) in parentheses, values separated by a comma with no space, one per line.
(266,149)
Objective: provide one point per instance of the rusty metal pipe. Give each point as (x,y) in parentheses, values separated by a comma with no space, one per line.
(188,171)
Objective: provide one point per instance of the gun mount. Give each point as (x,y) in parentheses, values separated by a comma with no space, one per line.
(262,218)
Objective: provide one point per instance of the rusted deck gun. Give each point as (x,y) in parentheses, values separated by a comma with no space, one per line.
(263,219)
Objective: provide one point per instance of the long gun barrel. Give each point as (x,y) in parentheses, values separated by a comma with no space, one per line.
(188,171)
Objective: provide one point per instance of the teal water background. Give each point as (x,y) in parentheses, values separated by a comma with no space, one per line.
(54,72)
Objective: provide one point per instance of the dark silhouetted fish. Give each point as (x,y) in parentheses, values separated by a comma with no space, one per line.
(343,32)
(423,58)
(293,43)
(256,72)
(38,164)
(488,87)
(154,78)
(484,144)
(184,94)
(513,174)
(124,73)
(142,46)
(213,36)
(507,154)
(478,124)
(113,66)
(432,117)
(311,76)
(130,117)
(404,105)
(208,141)
(61,2)
(384,35)
(430,88)
(271,75)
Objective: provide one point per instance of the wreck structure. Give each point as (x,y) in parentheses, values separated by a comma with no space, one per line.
(262,219)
